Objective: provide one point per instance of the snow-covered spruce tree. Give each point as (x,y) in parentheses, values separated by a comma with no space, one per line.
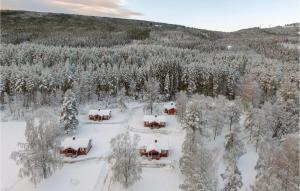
(132,89)
(193,119)
(234,147)
(86,87)
(120,99)
(198,170)
(152,92)
(167,87)
(232,178)
(126,165)
(69,111)
(233,112)
(39,155)
(278,166)
(181,103)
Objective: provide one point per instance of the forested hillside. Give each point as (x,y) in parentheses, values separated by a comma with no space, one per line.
(44,54)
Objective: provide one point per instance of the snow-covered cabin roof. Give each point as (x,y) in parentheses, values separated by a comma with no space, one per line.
(103,112)
(154,118)
(157,145)
(93,112)
(170,105)
(75,143)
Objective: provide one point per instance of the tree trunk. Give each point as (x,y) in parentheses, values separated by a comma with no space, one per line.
(251,128)
(215,135)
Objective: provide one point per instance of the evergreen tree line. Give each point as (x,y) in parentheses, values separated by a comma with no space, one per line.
(38,74)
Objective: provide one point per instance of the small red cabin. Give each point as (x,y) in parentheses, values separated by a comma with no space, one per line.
(170,108)
(98,115)
(155,151)
(154,121)
(72,147)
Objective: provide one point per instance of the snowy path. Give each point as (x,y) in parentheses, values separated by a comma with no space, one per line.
(101,178)
(104,179)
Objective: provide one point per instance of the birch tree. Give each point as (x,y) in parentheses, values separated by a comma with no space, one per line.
(278,165)
(126,165)
(39,156)
(199,171)
(181,104)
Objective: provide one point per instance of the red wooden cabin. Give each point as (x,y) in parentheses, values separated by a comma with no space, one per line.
(98,115)
(72,147)
(154,121)
(170,108)
(155,151)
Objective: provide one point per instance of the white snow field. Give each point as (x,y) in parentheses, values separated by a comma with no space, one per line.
(92,172)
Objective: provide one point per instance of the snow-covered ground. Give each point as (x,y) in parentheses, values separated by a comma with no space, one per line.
(91,172)
(164,179)
(11,133)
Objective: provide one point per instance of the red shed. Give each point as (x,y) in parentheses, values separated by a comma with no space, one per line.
(170,108)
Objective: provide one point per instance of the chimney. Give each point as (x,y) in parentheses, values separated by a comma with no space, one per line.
(155,140)
(74,138)
(155,115)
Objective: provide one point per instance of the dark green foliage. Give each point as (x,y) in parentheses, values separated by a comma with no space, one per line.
(138,33)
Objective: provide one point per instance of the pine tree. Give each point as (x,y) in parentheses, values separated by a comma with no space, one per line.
(194,119)
(232,178)
(167,87)
(233,114)
(152,92)
(68,118)
(120,99)
(234,147)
